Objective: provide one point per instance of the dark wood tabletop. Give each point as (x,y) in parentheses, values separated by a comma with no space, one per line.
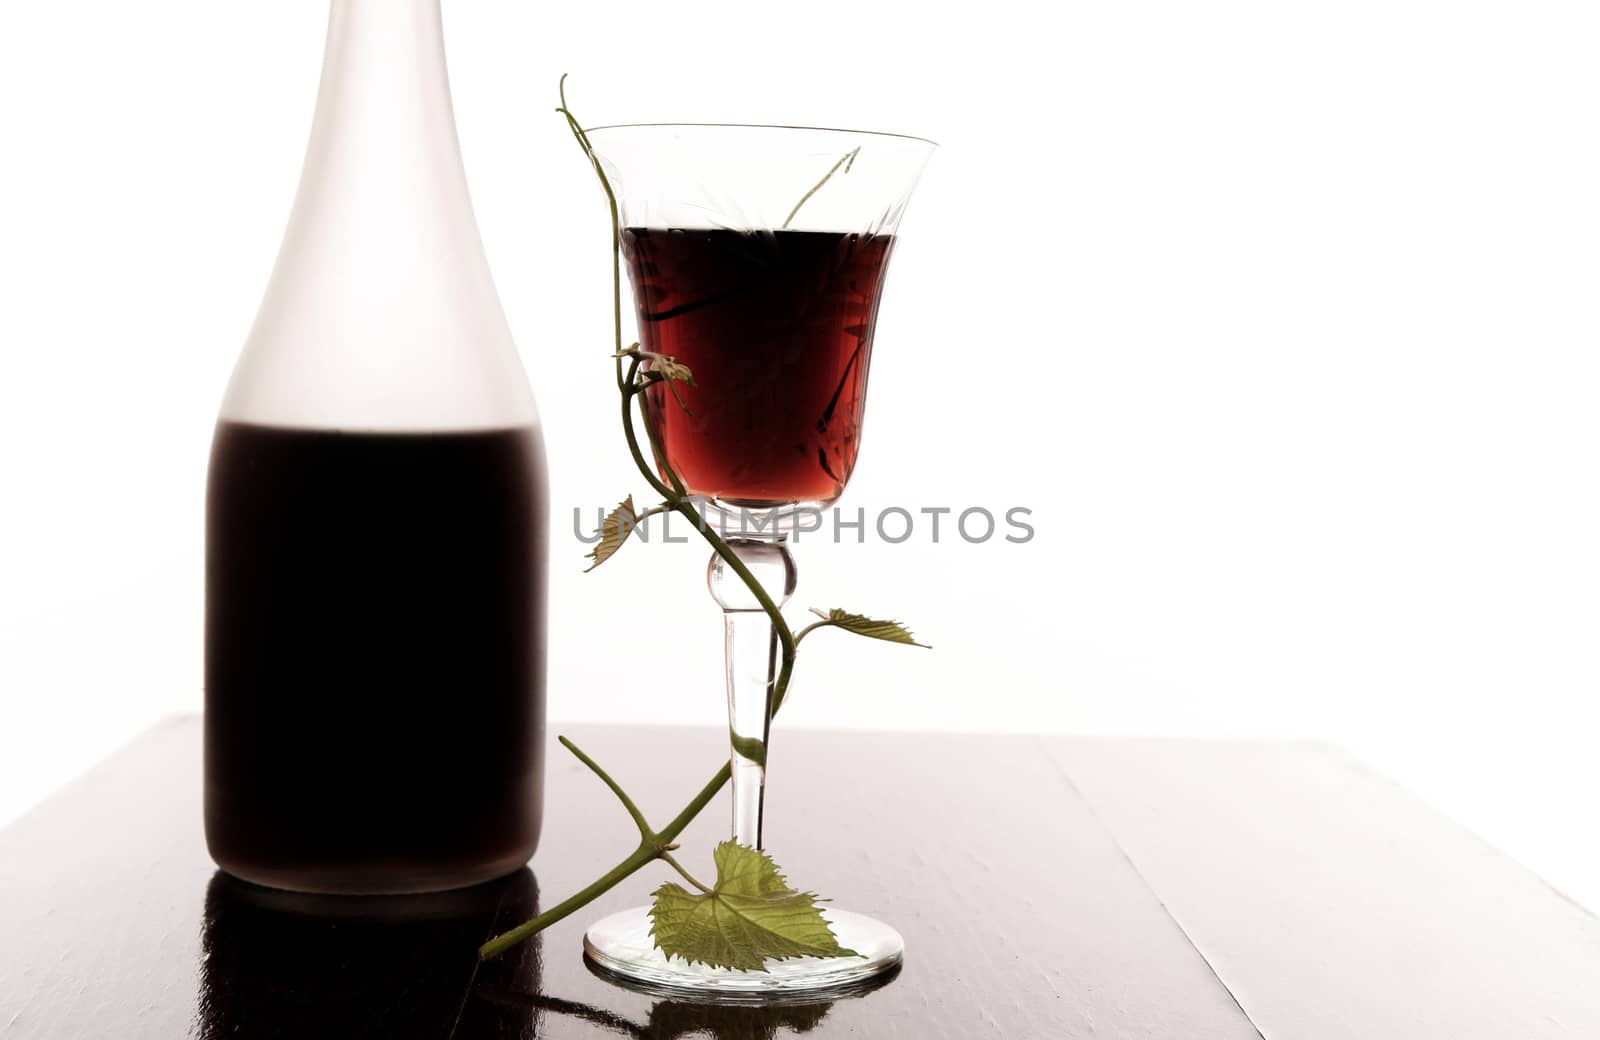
(1046,888)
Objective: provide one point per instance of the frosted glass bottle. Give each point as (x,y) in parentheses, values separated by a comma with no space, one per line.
(376,514)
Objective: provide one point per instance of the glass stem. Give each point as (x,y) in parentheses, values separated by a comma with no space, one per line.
(752,657)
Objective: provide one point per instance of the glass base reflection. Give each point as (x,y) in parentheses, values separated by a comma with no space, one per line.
(620,948)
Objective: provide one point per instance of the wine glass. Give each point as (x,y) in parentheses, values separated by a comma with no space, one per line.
(757,256)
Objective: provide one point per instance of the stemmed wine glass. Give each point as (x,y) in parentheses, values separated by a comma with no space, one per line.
(757,256)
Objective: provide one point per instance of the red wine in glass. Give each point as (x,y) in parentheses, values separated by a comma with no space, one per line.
(777,329)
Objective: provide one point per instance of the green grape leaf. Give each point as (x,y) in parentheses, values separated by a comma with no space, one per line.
(614,530)
(872,628)
(749,917)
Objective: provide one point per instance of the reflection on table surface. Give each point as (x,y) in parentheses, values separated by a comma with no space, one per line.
(120,926)
(285,964)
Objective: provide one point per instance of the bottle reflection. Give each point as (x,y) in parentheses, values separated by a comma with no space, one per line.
(280,964)
(283,964)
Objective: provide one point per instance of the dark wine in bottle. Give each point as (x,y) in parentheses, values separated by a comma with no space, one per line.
(374,655)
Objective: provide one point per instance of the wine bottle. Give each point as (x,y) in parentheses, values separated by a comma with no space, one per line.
(376,514)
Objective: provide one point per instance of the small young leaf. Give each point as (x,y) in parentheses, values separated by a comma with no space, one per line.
(670,368)
(891,631)
(667,369)
(749,917)
(614,530)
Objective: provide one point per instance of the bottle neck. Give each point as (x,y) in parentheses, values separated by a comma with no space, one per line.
(383,110)
(381,312)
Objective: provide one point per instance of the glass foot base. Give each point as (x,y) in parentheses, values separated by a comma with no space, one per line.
(620,946)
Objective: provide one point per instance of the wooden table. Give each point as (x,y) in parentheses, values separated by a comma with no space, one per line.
(1047,888)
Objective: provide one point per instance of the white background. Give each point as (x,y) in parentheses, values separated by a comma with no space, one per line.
(1280,317)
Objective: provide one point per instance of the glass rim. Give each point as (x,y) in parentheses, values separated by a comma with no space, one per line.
(763,126)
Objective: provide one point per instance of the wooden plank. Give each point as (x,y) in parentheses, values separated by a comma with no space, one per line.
(1335,905)
(1022,917)
(99,899)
